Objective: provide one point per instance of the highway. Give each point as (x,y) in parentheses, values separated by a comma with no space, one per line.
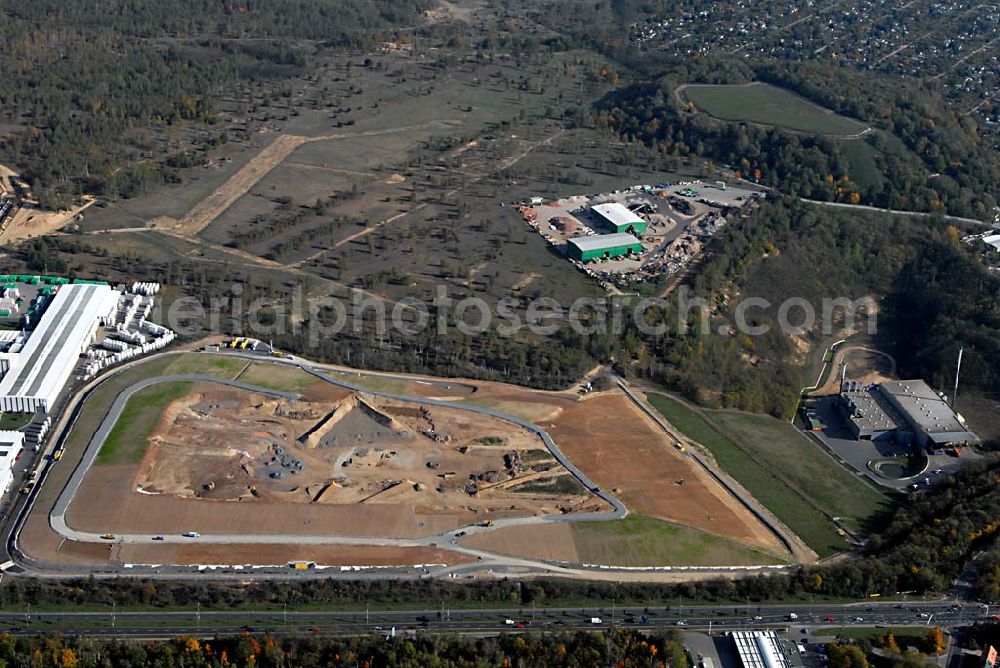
(437,618)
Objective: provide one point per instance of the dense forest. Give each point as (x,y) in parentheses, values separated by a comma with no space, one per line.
(916,136)
(95,94)
(923,155)
(914,264)
(623,648)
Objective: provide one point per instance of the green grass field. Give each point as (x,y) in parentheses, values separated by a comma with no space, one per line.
(14,421)
(277,377)
(804,465)
(638,540)
(210,365)
(127,442)
(795,487)
(861,165)
(905,635)
(769,105)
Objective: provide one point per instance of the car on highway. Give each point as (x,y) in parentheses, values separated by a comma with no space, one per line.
(108,536)
(159,538)
(757,618)
(595,620)
(681,622)
(191,534)
(859,619)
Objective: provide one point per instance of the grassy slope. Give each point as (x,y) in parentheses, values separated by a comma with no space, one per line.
(639,540)
(815,528)
(128,440)
(768,105)
(803,464)
(277,377)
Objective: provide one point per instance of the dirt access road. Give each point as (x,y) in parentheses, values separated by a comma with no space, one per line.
(240,183)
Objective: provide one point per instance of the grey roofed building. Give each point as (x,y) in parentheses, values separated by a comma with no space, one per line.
(869,416)
(602,241)
(932,420)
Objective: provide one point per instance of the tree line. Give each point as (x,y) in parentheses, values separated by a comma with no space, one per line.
(95,92)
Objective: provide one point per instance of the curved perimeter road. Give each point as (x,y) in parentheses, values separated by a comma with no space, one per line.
(445,540)
(495,563)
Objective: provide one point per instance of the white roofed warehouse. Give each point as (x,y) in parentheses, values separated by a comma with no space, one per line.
(759,649)
(34,371)
(620,218)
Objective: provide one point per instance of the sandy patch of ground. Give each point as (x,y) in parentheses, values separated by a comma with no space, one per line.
(324,555)
(622,451)
(538,541)
(867,365)
(31,222)
(226,461)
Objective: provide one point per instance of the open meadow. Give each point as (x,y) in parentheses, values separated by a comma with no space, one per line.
(765,104)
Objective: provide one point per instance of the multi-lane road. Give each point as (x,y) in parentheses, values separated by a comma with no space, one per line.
(438,618)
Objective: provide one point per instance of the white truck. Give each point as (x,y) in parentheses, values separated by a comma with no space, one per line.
(595,620)
(191,534)
(792,616)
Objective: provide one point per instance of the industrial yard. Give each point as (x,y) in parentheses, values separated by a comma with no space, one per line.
(642,233)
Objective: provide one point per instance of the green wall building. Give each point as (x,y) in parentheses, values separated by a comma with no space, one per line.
(601,246)
(619,218)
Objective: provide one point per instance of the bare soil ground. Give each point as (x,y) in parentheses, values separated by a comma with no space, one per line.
(863,364)
(541,541)
(224,460)
(31,222)
(622,451)
(327,555)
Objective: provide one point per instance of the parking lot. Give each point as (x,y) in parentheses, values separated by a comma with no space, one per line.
(858,454)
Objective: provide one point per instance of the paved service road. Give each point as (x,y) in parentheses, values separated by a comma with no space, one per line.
(446,540)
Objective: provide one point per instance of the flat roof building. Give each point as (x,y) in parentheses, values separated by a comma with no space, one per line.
(619,218)
(602,246)
(36,373)
(926,412)
(11,443)
(759,649)
(869,417)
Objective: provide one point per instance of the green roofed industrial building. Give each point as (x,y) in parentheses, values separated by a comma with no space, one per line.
(601,246)
(619,218)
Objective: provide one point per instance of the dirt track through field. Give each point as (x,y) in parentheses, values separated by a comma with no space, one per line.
(240,183)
